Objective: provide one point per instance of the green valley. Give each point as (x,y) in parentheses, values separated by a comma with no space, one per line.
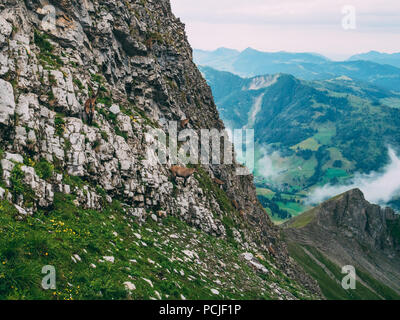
(308,133)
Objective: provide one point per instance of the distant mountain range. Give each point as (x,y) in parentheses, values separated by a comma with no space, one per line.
(309,133)
(308,66)
(251,62)
(379,57)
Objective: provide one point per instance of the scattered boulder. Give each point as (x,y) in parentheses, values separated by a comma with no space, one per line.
(109,259)
(115,109)
(129,286)
(149,282)
(215,291)
(254,262)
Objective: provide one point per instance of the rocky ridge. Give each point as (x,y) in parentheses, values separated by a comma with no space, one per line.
(349,230)
(137,53)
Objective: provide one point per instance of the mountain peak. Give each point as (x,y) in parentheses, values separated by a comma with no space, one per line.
(353,194)
(348,230)
(250,50)
(351,212)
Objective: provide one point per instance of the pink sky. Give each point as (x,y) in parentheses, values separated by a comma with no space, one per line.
(291,25)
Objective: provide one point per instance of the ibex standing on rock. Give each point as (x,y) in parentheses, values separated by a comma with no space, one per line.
(219,182)
(235,204)
(184,123)
(90,105)
(181,172)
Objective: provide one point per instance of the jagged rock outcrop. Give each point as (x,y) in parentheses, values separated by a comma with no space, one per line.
(351,231)
(137,53)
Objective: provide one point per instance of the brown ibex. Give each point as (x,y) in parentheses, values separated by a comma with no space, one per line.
(271,250)
(219,182)
(90,104)
(184,123)
(235,204)
(182,172)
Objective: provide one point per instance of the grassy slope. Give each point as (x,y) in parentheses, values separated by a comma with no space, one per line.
(152,251)
(302,220)
(331,288)
(51,238)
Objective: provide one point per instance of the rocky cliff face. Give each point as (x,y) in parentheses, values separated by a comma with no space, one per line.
(351,231)
(135,53)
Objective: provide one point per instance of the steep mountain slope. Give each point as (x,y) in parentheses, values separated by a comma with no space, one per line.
(309,133)
(379,57)
(306,66)
(347,230)
(91,197)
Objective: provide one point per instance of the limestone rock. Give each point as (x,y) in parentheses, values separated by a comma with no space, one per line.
(7,102)
(129,286)
(5,31)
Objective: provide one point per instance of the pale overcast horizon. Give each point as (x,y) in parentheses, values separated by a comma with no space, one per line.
(291,25)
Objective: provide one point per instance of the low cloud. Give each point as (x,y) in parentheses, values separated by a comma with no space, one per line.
(378,188)
(265,165)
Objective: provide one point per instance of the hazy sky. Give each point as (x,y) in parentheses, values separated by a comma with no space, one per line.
(291,25)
